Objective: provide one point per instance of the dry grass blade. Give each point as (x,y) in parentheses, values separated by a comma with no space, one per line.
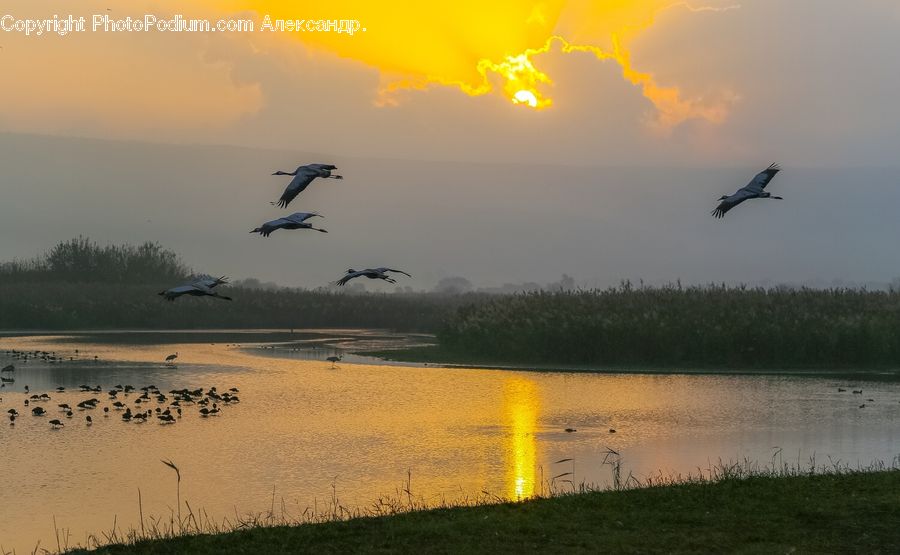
(172,465)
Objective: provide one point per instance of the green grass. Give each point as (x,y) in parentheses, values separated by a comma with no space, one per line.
(837,513)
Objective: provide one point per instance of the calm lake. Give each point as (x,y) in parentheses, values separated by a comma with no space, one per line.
(359,429)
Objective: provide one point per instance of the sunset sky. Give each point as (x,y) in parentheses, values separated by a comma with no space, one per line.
(648,84)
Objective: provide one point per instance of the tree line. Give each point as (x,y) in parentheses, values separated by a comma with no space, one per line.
(80,284)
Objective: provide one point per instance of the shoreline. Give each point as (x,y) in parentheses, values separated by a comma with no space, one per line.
(434,356)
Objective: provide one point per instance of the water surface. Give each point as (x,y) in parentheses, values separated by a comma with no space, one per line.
(358,430)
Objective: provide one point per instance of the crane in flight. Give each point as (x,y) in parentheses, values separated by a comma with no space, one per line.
(303,176)
(754,189)
(201,287)
(294,221)
(371,273)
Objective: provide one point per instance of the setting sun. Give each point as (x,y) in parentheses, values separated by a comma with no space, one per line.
(525,97)
(503,42)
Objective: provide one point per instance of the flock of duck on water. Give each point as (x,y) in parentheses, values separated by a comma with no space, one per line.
(130,403)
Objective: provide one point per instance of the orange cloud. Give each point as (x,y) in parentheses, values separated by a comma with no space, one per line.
(170,81)
(481,47)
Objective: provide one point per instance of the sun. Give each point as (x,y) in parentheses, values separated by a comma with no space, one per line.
(525,97)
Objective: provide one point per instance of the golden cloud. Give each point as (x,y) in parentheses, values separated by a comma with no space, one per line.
(481,47)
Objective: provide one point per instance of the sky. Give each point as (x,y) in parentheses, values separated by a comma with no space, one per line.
(506,141)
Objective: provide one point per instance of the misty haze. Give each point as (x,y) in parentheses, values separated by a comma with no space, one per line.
(493,224)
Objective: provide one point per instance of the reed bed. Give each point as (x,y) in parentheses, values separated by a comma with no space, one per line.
(711,326)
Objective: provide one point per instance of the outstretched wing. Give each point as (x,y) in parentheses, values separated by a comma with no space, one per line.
(202,289)
(180,290)
(327,167)
(300,217)
(385,270)
(732,201)
(267,228)
(297,185)
(207,281)
(218,281)
(343,281)
(763,178)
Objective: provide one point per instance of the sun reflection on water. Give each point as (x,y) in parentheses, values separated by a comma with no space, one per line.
(521,407)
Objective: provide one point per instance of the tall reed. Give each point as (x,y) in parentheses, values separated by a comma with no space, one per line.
(716,325)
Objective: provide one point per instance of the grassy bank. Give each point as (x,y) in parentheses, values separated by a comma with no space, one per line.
(846,513)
